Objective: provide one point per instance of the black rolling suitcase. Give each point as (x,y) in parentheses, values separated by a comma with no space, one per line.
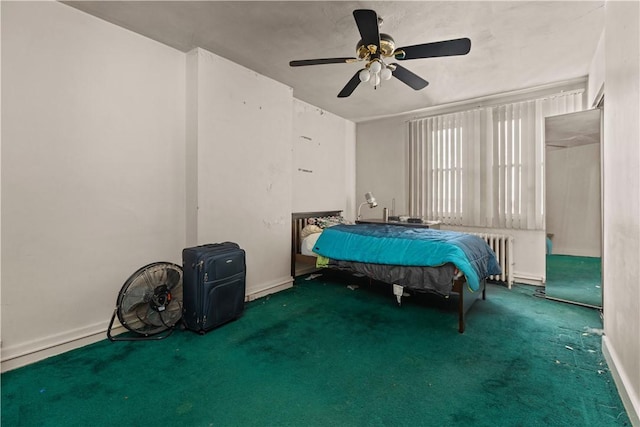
(213,285)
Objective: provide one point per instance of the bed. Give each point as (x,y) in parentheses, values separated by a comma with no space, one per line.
(410,259)
(303,261)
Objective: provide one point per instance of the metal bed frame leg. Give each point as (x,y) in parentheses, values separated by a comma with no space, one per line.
(461,310)
(465,303)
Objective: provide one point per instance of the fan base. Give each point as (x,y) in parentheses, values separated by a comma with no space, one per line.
(159,336)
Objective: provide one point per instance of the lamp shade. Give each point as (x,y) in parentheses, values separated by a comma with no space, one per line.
(370,200)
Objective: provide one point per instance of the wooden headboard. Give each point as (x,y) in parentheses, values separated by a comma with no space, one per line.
(298,222)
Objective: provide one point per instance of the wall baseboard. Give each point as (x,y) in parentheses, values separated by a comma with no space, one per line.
(528,280)
(36,350)
(277,286)
(627,395)
(591,253)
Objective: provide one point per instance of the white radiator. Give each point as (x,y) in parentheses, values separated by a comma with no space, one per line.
(502,245)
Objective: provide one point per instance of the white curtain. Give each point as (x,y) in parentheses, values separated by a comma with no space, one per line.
(484,167)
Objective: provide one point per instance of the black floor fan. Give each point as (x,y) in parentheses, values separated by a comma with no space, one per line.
(149,303)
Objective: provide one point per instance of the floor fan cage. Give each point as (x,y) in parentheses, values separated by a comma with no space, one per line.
(149,303)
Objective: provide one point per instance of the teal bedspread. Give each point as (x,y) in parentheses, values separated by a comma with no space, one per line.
(396,245)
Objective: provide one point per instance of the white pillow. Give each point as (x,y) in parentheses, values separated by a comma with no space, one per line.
(309,229)
(308,244)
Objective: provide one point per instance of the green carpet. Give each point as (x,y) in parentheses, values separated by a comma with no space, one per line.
(321,354)
(575,278)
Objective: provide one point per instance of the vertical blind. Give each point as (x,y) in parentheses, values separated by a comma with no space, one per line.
(484,167)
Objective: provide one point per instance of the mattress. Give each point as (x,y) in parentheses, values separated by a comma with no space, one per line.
(406,246)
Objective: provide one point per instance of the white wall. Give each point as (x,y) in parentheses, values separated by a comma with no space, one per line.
(621,155)
(0,192)
(243,163)
(573,212)
(596,79)
(350,178)
(323,168)
(92,169)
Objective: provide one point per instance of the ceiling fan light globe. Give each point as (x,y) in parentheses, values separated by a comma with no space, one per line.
(375,80)
(385,74)
(364,75)
(375,67)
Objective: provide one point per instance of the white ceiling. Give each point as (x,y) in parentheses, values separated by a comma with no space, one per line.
(514,44)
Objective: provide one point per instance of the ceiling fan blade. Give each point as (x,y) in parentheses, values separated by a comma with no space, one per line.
(435,49)
(367,22)
(321,61)
(350,86)
(410,79)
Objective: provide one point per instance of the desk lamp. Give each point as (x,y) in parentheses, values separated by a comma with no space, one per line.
(370,200)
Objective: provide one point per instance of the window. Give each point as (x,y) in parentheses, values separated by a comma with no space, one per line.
(444,195)
(507,138)
(483,167)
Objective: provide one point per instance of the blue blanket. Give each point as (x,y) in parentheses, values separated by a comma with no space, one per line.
(397,245)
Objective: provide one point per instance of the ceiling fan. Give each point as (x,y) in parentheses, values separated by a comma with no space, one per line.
(375,47)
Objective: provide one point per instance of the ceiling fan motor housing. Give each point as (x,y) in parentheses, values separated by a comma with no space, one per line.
(387,47)
(387,44)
